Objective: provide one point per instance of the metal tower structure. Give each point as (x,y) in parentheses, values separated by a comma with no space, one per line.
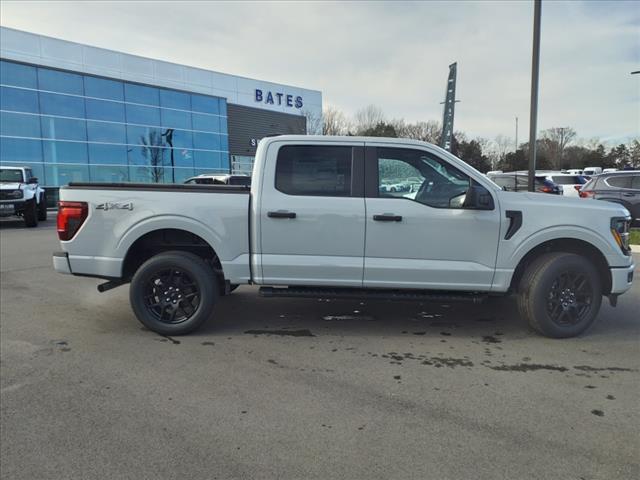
(449,108)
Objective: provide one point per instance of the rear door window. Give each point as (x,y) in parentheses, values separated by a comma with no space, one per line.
(619,181)
(635,182)
(314,170)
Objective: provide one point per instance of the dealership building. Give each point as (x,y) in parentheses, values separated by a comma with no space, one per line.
(74,112)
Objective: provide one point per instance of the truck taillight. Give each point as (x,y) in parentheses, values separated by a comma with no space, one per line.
(71,216)
(586,193)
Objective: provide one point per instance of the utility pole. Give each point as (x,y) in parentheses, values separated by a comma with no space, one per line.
(516,149)
(535,70)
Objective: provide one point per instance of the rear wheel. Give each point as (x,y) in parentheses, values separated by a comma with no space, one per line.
(173,293)
(42,208)
(560,294)
(30,213)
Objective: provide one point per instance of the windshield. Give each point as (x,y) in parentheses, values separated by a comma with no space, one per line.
(10,175)
(569,179)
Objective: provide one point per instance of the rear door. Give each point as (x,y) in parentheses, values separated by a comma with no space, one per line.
(425,238)
(632,197)
(312,214)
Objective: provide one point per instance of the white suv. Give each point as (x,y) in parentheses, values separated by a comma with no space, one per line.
(21,195)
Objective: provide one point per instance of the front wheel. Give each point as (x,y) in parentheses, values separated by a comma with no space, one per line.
(30,213)
(560,294)
(173,293)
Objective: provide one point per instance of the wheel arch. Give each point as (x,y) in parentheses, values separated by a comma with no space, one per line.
(161,240)
(568,245)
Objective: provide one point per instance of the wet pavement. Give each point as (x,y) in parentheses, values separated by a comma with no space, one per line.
(292,389)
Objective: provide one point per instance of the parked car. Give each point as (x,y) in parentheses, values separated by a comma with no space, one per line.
(21,195)
(315,224)
(569,184)
(216,179)
(574,171)
(519,182)
(621,187)
(591,171)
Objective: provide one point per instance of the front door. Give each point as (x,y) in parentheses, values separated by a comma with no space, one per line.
(312,217)
(418,233)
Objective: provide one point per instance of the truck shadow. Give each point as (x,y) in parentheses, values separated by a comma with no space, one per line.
(244,312)
(15,223)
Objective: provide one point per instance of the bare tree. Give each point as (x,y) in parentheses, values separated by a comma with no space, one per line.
(426,131)
(314,123)
(556,139)
(334,122)
(153,151)
(367,118)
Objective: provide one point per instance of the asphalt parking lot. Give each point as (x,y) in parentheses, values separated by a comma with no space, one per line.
(296,389)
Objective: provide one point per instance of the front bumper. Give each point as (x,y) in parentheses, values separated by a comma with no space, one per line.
(621,279)
(10,207)
(61,262)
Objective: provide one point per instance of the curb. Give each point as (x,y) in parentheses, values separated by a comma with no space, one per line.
(635,248)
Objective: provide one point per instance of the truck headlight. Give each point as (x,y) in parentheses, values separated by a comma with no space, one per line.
(620,231)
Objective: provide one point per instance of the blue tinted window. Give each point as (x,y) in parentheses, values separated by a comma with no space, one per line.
(203,103)
(20,125)
(206,141)
(224,143)
(147,155)
(18,150)
(181,157)
(63,105)
(145,135)
(206,160)
(105,110)
(150,174)
(223,125)
(206,123)
(181,139)
(143,115)
(176,119)
(18,100)
(56,81)
(64,152)
(58,175)
(141,94)
(172,99)
(106,132)
(112,174)
(18,75)
(222,103)
(103,154)
(224,160)
(63,128)
(103,88)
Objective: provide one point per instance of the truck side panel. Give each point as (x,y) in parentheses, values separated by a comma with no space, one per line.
(124,215)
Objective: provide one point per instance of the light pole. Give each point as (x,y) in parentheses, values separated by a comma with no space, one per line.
(535,70)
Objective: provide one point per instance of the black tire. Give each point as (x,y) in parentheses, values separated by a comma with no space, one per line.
(190,287)
(30,213)
(560,294)
(42,209)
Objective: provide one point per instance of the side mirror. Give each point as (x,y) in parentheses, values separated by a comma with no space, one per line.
(478,198)
(32,180)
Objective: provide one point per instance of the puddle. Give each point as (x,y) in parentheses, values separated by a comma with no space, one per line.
(289,333)
(527,367)
(342,318)
(439,362)
(587,368)
(598,413)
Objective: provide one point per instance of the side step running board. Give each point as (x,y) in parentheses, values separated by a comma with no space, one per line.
(359,293)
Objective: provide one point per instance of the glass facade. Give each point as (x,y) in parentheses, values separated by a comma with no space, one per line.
(75,127)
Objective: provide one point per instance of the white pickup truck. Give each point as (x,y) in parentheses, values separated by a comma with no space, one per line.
(317,222)
(21,195)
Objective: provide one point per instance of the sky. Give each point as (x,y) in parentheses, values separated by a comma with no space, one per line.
(391,54)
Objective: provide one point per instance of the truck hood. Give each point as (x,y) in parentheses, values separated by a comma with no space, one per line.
(561,209)
(10,186)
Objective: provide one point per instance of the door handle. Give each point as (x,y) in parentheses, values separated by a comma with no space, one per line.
(628,194)
(281,214)
(387,217)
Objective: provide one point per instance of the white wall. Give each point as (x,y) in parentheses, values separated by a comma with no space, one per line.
(38,49)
